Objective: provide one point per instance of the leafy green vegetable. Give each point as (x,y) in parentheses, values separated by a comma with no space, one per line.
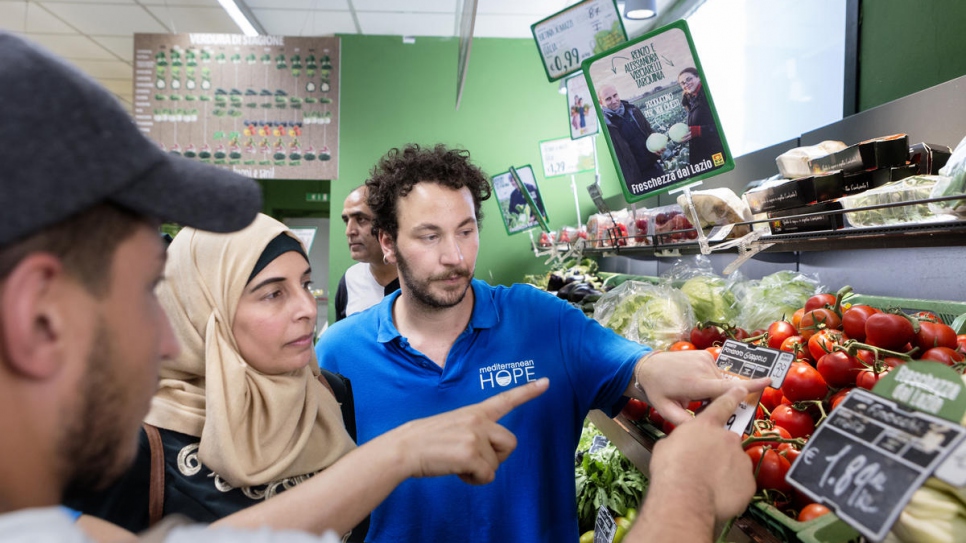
(654,315)
(711,299)
(766,300)
(604,477)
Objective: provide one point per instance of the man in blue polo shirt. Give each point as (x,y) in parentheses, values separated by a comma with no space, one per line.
(446,340)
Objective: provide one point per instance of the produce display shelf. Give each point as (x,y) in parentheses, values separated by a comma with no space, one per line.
(928,234)
(761,523)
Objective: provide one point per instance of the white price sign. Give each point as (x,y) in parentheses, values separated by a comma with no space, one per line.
(569,37)
(566,156)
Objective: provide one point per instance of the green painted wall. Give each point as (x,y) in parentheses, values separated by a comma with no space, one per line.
(393,93)
(905,47)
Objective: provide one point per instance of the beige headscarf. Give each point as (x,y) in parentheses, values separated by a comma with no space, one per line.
(254,428)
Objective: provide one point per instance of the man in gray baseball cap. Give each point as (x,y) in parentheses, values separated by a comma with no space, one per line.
(82,194)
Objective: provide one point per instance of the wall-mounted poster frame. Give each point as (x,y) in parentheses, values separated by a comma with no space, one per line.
(266,107)
(568,37)
(662,128)
(520,208)
(580,108)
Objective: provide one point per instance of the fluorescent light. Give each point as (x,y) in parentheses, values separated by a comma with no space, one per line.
(236,15)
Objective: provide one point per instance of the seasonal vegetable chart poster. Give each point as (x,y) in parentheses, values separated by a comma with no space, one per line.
(263,106)
(657,113)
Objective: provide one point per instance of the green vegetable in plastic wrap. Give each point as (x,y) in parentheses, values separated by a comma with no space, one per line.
(653,315)
(955,171)
(768,299)
(711,299)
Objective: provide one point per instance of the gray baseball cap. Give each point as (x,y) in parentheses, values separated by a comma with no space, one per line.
(66,144)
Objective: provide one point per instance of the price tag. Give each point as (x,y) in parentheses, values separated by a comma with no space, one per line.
(751,361)
(568,37)
(740,360)
(869,457)
(605,528)
(565,156)
(598,198)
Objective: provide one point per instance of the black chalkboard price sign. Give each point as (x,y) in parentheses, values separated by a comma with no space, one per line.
(869,457)
(752,362)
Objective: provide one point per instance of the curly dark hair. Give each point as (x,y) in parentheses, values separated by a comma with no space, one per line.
(395,175)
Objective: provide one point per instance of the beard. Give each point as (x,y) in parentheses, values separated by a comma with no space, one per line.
(421,292)
(95,450)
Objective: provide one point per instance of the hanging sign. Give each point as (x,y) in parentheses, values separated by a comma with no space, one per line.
(519,199)
(869,457)
(661,125)
(265,107)
(579,32)
(580,108)
(565,156)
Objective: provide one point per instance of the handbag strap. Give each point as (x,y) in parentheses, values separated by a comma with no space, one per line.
(156,485)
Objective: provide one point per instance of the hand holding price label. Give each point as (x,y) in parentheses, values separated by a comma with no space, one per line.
(740,360)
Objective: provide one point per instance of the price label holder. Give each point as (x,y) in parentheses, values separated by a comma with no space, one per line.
(739,360)
(568,37)
(598,198)
(868,458)
(605,527)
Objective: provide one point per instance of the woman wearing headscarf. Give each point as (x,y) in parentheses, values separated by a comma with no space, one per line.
(705,142)
(240,412)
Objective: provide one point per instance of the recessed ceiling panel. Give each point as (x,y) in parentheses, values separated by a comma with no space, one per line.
(540,8)
(422,6)
(408,24)
(202,20)
(15,16)
(122,46)
(323,5)
(106,69)
(293,22)
(108,20)
(504,26)
(73,47)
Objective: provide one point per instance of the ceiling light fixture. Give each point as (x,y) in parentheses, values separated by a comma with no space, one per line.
(240,19)
(640,9)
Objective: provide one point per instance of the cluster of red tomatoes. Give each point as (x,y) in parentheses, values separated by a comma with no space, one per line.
(837,348)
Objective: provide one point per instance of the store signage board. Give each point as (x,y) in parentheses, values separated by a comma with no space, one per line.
(580,108)
(266,107)
(936,389)
(521,209)
(658,98)
(868,458)
(565,156)
(739,360)
(578,32)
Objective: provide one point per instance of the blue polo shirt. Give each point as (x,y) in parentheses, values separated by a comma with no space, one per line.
(515,335)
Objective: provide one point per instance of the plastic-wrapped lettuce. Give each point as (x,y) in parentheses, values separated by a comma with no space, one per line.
(711,299)
(773,296)
(654,315)
(952,184)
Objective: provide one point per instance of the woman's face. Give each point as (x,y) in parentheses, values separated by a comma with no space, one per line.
(689,82)
(275,319)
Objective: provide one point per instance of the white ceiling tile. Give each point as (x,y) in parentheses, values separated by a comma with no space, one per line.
(284,22)
(120,87)
(108,20)
(323,5)
(15,16)
(122,46)
(189,19)
(73,47)
(503,26)
(46,3)
(407,24)
(423,6)
(105,69)
(540,8)
(191,3)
